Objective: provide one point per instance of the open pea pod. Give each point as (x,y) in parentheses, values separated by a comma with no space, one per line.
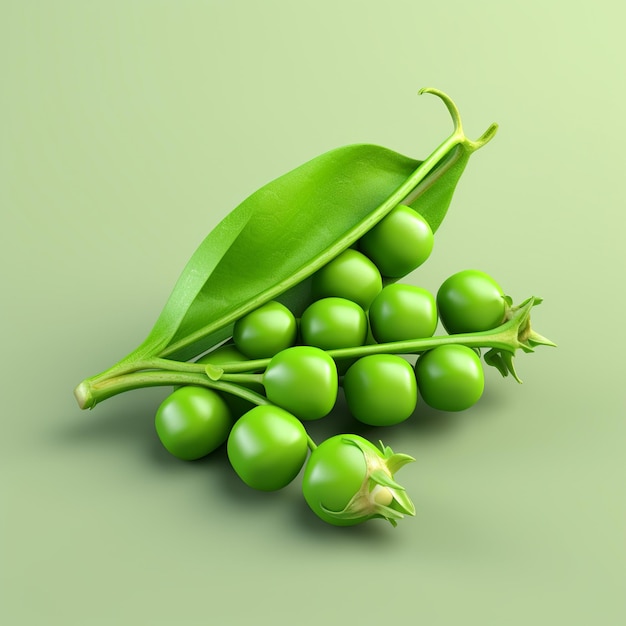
(275,239)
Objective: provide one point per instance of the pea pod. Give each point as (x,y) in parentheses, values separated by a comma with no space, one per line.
(275,239)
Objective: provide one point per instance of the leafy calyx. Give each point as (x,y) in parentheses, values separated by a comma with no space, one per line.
(379,495)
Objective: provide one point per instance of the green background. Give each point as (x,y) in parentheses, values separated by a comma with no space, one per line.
(129,129)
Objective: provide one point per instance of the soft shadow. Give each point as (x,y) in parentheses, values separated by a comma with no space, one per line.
(309,524)
(114,422)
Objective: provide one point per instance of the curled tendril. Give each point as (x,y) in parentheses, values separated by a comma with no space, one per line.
(456,120)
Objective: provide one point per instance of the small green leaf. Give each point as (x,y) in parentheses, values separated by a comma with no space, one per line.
(397,461)
(494,359)
(382,478)
(214,372)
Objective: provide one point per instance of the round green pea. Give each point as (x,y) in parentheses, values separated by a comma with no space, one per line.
(399,243)
(332,323)
(264,332)
(350,275)
(450,377)
(192,422)
(470,301)
(403,312)
(302,380)
(267,447)
(334,474)
(380,389)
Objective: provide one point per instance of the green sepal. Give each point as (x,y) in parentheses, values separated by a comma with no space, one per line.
(528,339)
(494,358)
(389,514)
(404,502)
(394,461)
(535,339)
(379,477)
(363,505)
(525,338)
(502,360)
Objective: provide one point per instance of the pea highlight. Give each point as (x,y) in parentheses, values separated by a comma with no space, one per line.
(192,422)
(471,301)
(401,312)
(399,243)
(332,323)
(380,389)
(450,377)
(349,275)
(347,481)
(265,331)
(267,447)
(303,380)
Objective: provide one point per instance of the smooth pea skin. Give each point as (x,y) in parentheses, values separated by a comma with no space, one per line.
(267,447)
(350,275)
(264,332)
(450,377)
(380,389)
(332,323)
(302,380)
(399,243)
(192,422)
(470,301)
(333,474)
(403,312)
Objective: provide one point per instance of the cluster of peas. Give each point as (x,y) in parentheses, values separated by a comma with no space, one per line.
(282,371)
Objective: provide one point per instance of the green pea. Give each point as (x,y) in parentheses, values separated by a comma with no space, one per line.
(347,481)
(192,422)
(380,389)
(399,243)
(303,381)
(350,275)
(470,301)
(265,331)
(334,323)
(402,312)
(267,447)
(450,377)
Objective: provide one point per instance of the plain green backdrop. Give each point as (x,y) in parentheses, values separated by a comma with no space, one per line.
(129,129)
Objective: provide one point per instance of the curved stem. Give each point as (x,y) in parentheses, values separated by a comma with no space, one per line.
(456,120)
(88,394)
(160,378)
(452,108)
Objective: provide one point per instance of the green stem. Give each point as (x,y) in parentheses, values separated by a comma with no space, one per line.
(513,334)
(242,379)
(176,375)
(509,336)
(503,339)
(88,393)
